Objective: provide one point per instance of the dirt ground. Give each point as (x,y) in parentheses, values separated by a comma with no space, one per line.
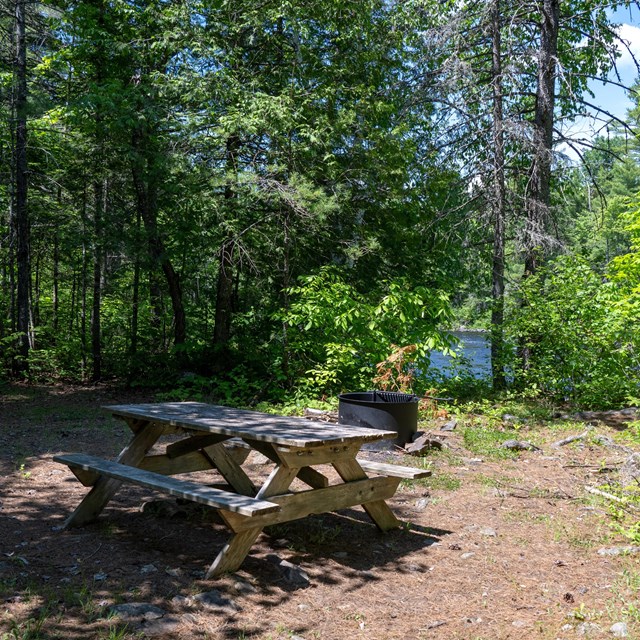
(493,548)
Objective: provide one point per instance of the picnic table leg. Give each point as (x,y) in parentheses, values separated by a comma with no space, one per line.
(105,488)
(378,510)
(236,550)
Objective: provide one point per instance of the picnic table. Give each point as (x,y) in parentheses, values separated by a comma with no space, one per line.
(210,437)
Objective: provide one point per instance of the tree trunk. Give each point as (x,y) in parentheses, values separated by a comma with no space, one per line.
(99,193)
(538,199)
(498,205)
(144,182)
(135,308)
(226,257)
(21,185)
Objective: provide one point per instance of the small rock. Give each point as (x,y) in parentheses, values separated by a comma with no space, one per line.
(242,586)
(100,577)
(162,628)
(489,532)
(449,426)
(618,551)
(214,601)
(567,627)
(414,568)
(629,474)
(422,504)
(619,630)
(588,629)
(467,555)
(132,611)
(303,607)
(519,445)
(148,568)
(292,573)
(520,624)
(180,601)
(423,445)
(174,573)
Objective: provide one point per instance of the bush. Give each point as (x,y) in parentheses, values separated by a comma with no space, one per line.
(336,335)
(573,325)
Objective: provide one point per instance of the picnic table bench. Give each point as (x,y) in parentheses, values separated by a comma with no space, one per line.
(219,438)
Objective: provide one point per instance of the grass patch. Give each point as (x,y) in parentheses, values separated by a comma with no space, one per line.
(440,480)
(487,441)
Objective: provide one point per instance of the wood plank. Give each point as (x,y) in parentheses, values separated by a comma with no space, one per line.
(308,475)
(193,491)
(194,443)
(187,463)
(304,503)
(105,488)
(298,457)
(377,510)
(393,470)
(238,452)
(230,470)
(236,550)
(87,478)
(283,430)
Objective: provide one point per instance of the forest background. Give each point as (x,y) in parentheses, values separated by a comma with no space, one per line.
(280,199)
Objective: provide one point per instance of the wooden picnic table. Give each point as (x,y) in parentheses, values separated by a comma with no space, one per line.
(220,438)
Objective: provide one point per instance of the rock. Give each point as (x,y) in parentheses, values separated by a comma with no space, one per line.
(424,444)
(618,551)
(100,577)
(449,426)
(570,439)
(467,555)
(148,568)
(519,624)
(630,471)
(619,630)
(422,504)
(137,611)
(163,627)
(507,417)
(519,445)
(588,629)
(173,572)
(292,573)
(242,586)
(489,532)
(214,601)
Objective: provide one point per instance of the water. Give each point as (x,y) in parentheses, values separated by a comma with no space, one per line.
(474,346)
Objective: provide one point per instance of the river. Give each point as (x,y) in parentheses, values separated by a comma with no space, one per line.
(474,346)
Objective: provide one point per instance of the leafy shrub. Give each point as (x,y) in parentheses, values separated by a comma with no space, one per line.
(336,334)
(574,326)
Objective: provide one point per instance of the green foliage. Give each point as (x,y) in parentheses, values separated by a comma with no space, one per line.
(336,334)
(575,327)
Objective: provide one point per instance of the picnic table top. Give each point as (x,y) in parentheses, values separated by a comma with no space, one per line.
(250,425)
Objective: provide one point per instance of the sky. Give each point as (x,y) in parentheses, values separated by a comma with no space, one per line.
(610,97)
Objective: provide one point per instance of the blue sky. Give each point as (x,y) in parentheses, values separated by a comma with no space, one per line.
(607,96)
